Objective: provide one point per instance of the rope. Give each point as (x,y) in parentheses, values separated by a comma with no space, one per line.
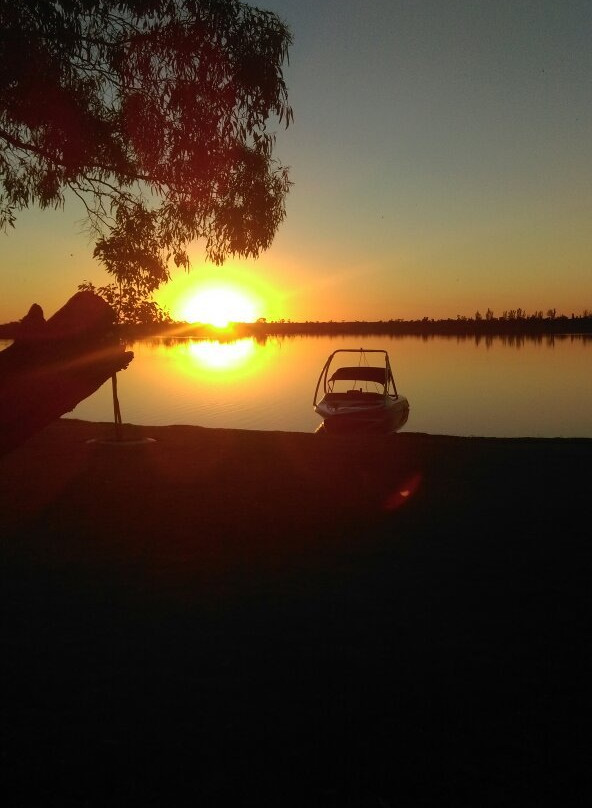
(116,410)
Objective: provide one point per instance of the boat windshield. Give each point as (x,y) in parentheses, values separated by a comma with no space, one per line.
(360,373)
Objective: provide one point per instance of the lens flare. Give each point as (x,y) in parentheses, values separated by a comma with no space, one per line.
(403,492)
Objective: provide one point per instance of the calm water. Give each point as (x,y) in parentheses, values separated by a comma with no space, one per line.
(500,387)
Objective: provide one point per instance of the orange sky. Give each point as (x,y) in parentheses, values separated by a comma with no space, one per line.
(441,155)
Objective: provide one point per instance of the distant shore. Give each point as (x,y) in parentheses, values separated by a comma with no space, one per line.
(198,616)
(526,328)
(536,328)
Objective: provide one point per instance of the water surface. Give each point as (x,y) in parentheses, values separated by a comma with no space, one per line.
(500,387)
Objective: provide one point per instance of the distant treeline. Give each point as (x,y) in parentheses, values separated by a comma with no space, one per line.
(512,322)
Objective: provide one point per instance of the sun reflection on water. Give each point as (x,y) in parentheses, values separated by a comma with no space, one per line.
(213,361)
(221,355)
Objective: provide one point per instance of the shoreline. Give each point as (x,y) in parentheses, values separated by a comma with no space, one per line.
(287,619)
(526,327)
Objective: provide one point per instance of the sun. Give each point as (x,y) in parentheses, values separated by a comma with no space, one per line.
(219,306)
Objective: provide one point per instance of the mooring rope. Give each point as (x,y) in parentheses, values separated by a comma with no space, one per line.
(116,410)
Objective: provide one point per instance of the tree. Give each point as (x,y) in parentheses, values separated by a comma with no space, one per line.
(154,113)
(130,305)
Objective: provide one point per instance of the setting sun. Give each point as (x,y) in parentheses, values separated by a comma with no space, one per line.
(219,306)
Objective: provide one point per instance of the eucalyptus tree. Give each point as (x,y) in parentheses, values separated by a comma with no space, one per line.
(158,115)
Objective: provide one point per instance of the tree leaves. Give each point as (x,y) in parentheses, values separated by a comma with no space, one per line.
(155,113)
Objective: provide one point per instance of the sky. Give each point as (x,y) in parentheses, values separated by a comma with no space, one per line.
(441,155)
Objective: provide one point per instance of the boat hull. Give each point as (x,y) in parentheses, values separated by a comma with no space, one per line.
(381,418)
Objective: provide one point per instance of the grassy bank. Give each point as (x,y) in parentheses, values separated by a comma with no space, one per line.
(294,619)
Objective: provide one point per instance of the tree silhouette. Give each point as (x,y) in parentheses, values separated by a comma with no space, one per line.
(154,113)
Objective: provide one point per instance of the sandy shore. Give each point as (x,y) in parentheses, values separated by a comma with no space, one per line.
(267,618)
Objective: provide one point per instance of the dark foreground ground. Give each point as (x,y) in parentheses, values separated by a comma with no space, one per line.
(257,619)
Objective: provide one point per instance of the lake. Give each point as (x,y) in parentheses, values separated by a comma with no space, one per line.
(497,387)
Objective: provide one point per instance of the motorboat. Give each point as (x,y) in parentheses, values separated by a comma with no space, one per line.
(361,396)
(52,365)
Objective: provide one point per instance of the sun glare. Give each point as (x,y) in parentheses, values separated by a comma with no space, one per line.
(221,355)
(219,306)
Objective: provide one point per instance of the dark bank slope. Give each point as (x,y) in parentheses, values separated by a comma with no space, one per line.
(291,619)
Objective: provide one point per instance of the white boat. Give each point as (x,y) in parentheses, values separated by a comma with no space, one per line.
(361,396)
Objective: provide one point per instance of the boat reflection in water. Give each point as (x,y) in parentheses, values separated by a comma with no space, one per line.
(361,398)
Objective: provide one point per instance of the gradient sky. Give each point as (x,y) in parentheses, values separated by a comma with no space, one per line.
(441,155)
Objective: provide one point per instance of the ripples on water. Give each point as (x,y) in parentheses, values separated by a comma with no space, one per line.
(500,386)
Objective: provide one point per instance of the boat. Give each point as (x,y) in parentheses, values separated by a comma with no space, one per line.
(361,396)
(52,365)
